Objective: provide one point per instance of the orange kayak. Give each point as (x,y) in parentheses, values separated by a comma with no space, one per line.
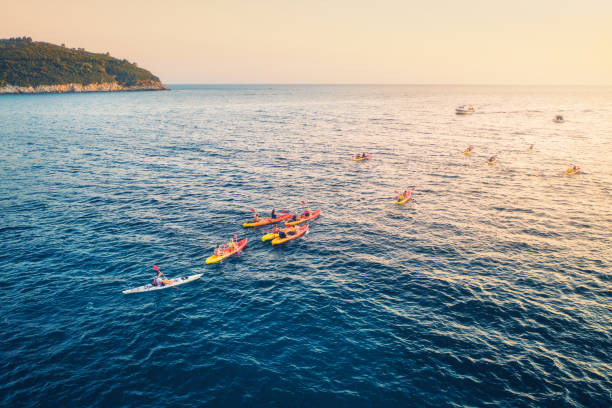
(266,221)
(312,216)
(300,231)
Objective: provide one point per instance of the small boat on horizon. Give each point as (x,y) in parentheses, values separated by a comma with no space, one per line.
(464,110)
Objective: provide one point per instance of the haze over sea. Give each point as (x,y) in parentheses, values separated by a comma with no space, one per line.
(492,289)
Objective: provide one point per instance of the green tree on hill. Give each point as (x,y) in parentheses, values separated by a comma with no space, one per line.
(24,62)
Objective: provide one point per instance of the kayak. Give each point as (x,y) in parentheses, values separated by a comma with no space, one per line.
(266,221)
(312,216)
(467,151)
(492,161)
(175,282)
(571,171)
(403,201)
(272,235)
(367,156)
(300,231)
(217,258)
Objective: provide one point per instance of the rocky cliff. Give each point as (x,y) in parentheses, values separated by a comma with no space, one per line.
(98,87)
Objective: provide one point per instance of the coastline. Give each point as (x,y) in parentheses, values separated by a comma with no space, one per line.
(77,88)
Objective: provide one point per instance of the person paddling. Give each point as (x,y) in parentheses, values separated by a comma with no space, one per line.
(159,281)
(306,213)
(256,217)
(273,214)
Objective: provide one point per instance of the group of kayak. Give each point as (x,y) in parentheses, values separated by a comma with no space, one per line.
(493,159)
(294,228)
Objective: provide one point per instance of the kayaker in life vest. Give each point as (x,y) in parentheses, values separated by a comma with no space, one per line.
(306,213)
(275,229)
(357,156)
(256,217)
(231,245)
(273,214)
(492,158)
(281,234)
(363,155)
(406,194)
(294,218)
(218,250)
(158,281)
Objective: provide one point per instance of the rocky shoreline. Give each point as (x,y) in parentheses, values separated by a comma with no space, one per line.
(73,87)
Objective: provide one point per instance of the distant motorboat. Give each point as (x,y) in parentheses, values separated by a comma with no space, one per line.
(464,110)
(558,119)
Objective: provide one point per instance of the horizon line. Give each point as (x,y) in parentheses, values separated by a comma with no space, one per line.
(374,84)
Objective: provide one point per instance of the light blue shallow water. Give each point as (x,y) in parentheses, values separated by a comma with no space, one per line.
(492,289)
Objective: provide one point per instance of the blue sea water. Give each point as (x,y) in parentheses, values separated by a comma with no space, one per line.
(493,288)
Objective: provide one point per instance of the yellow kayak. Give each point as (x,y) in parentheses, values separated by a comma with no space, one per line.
(403,201)
(571,172)
(367,156)
(217,258)
(272,235)
(492,160)
(467,151)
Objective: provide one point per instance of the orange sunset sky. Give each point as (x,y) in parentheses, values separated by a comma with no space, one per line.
(267,41)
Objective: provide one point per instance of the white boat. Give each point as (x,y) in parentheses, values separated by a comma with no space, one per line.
(558,119)
(464,110)
(175,282)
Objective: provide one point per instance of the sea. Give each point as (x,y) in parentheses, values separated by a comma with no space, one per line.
(492,288)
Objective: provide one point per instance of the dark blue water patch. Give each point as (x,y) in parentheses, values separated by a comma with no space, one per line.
(491,289)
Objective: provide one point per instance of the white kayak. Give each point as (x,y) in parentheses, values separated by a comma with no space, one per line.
(175,282)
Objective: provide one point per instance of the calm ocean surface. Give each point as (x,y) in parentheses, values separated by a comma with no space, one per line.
(492,289)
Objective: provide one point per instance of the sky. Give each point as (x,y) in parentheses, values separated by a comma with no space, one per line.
(565,42)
